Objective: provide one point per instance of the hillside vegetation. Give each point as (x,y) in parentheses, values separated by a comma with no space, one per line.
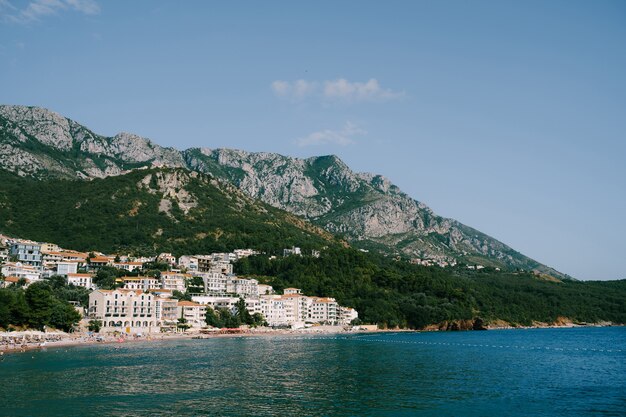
(148,211)
(395,293)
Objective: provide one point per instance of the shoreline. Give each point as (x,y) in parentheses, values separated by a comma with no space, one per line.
(85,340)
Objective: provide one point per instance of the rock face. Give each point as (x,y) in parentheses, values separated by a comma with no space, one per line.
(40,143)
(365,208)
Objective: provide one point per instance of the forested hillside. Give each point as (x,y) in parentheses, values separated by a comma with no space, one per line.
(395,293)
(146,212)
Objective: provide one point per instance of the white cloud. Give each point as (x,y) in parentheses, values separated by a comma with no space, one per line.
(85,6)
(37,9)
(343,89)
(343,137)
(334,90)
(296,90)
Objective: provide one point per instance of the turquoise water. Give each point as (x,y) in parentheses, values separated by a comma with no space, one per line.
(548,372)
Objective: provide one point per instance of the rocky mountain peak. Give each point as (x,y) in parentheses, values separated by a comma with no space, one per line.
(365,208)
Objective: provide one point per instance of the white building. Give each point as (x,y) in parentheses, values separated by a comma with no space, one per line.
(167,258)
(244,253)
(174,281)
(214,282)
(272,307)
(347,315)
(211,263)
(166,313)
(81,280)
(188,262)
(20,270)
(242,287)
(127,311)
(265,289)
(140,283)
(229,303)
(296,308)
(193,313)
(66,268)
(293,251)
(128,266)
(323,310)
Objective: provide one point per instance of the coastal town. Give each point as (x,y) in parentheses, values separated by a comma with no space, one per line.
(176,298)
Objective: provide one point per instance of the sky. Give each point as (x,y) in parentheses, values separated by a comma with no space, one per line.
(507,116)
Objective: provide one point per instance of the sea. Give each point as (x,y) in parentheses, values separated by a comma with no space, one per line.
(529,372)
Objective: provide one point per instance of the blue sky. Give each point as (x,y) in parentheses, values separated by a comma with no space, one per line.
(508,116)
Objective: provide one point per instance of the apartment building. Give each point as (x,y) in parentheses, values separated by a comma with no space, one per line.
(123,310)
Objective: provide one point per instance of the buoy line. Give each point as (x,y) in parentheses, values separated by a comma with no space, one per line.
(486,345)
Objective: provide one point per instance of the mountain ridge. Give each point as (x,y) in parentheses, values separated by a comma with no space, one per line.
(365,208)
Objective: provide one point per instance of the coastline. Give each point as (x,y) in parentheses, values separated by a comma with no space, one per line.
(74,340)
(85,340)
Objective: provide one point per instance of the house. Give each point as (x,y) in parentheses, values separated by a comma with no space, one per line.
(174,281)
(19,270)
(244,253)
(193,313)
(188,262)
(50,259)
(214,282)
(167,258)
(66,268)
(166,313)
(69,255)
(128,266)
(293,251)
(10,281)
(98,262)
(265,289)
(160,292)
(140,283)
(81,280)
(49,247)
(209,263)
(347,315)
(290,291)
(229,303)
(126,311)
(242,287)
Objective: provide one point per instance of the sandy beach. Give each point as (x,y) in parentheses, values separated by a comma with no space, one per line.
(82,339)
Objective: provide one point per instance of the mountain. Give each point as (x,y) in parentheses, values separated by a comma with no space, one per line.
(39,143)
(149,211)
(366,209)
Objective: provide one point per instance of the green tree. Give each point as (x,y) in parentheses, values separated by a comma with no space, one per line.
(242,313)
(95,326)
(228,319)
(181,296)
(212,318)
(40,302)
(63,316)
(258,320)
(182,324)
(7,301)
(105,278)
